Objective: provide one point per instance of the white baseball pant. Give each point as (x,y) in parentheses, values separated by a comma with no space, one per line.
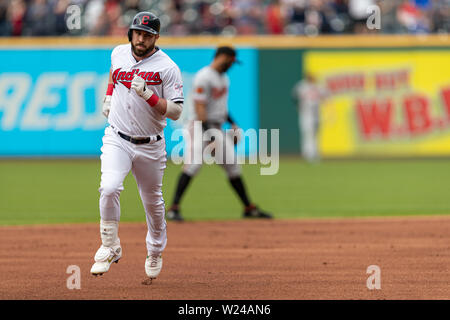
(309,127)
(147,163)
(195,147)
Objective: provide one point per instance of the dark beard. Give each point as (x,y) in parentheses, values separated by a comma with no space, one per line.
(225,67)
(141,53)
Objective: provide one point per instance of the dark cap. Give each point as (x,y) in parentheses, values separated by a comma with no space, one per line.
(145,21)
(229,51)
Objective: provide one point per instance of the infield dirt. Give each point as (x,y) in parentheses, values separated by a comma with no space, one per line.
(279,259)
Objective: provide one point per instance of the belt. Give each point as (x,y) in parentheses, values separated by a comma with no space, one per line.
(135,140)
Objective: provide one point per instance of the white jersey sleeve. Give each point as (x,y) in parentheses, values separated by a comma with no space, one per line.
(173,85)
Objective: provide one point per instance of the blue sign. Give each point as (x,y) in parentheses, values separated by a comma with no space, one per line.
(51,99)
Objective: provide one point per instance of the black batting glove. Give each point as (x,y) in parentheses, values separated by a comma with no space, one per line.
(205,126)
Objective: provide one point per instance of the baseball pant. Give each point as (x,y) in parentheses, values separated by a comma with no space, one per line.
(309,127)
(147,163)
(195,147)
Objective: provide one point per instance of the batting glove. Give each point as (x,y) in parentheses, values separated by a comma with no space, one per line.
(106,105)
(139,85)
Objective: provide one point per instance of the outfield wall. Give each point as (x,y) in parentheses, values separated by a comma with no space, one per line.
(51,91)
(51,98)
(386,98)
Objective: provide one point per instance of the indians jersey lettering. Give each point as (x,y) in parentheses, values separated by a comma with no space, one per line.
(130,113)
(125,78)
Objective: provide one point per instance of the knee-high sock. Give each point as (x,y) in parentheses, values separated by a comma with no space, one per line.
(239,187)
(183,182)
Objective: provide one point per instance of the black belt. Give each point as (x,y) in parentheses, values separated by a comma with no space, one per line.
(136,141)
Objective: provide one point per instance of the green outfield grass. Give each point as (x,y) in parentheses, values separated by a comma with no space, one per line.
(63,191)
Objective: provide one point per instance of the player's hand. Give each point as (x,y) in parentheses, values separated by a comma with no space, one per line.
(236,133)
(139,85)
(106,105)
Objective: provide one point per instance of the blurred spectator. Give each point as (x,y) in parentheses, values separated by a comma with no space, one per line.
(411,18)
(4,23)
(440,16)
(248,16)
(16,16)
(359,14)
(59,13)
(116,27)
(317,18)
(38,19)
(208,23)
(226,17)
(274,18)
(389,23)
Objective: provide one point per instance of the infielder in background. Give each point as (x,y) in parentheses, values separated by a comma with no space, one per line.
(309,95)
(210,92)
(144,88)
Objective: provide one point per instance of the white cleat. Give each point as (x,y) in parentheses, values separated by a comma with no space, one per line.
(153,265)
(104,257)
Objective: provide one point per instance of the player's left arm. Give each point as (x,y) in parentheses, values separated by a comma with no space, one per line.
(236,130)
(171,106)
(166,107)
(232,122)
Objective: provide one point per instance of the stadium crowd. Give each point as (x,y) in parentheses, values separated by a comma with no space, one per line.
(226,17)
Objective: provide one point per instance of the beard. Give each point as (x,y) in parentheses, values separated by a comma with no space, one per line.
(142,51)
(225,66)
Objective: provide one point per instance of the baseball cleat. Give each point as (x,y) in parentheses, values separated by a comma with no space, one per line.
(104,257)
(254,212)
(153,265)
(174,215)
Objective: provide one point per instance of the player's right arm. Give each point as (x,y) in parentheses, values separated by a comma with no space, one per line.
(107,99)
(109,91)
(200,97)
(201,115)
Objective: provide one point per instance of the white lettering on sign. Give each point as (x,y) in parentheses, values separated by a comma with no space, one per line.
(97,120)
(13,90)
(53,101)
(43,97)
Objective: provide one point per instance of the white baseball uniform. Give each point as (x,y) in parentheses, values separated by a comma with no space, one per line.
(132,116)
(309,96)
(211,88)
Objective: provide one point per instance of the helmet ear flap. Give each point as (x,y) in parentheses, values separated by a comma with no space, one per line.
(130,34)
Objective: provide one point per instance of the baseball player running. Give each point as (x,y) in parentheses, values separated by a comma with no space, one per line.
(144,89)
(210,101)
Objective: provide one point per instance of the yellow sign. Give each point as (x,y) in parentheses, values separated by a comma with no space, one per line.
(380,102)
